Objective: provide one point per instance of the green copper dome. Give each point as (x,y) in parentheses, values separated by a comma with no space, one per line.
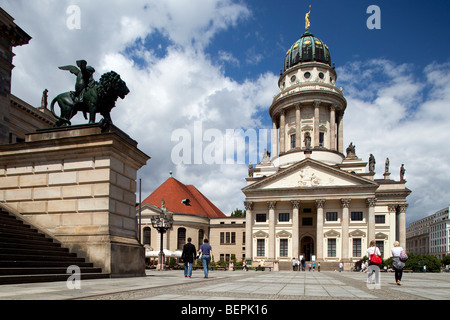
(307,48)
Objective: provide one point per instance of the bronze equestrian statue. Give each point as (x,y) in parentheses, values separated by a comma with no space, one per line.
(90,96)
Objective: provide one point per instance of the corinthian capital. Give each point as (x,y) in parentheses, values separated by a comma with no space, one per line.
(345,203)
(295,204)
(371,202)
(272,204)
(320,203)
(248,205)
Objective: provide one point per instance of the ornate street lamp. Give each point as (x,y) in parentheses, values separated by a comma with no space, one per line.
(162,223)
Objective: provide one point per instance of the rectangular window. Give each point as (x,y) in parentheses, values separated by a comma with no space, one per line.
(321,138)
(357,216)
(292,141)
(380,218)
(233,237)
(260,217)
(307,221)
(283,217)
(260,247)
(380,245)
(243,237)
(332,216)
(222,237)
(227,237)
(356,247)
(332,247)
(283,247)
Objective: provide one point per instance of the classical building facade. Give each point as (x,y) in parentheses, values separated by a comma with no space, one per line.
(16,116)
(307,197)
(430,235)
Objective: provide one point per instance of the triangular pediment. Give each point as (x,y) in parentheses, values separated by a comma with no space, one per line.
(310,174)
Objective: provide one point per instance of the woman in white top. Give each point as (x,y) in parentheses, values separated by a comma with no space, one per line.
(373,249)
(396,263)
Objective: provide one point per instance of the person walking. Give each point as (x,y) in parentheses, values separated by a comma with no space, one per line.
(397,263)
(188,256)
(206,251)
(373,250)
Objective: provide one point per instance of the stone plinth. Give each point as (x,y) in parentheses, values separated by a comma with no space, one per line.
(78,184)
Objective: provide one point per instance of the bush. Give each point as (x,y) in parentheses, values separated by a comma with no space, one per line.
(446,260)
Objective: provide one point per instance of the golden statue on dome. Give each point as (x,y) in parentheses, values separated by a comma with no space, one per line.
(307,23)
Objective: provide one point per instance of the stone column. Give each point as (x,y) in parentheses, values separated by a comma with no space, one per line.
(371,202)
(402,226)
(316,123)
(298,127)
(341,133)
(295,228)
(319,205)
(333,127)
(274,138)
(248,229)
(282,131)
(345,218)
(272,240)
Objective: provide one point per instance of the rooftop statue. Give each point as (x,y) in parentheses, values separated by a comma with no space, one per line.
(307,22)
(90,96)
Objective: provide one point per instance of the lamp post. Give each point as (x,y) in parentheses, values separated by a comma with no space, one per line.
(162,223)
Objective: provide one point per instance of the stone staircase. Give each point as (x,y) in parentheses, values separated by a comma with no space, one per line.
(26,255)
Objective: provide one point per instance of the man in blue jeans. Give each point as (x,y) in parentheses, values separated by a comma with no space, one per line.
(188,257)
(206,251)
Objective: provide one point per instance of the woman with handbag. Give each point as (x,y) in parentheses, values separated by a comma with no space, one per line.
(374,255)
(398,262)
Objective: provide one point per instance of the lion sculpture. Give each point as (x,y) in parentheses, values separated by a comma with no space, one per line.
(97,97)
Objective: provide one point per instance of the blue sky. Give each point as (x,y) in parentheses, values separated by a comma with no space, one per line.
(218,61)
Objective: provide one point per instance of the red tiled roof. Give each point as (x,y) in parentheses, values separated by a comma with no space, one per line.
(173,192)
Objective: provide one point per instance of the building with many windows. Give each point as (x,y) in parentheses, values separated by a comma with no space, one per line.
(197,218)
(430,235)
(307,197)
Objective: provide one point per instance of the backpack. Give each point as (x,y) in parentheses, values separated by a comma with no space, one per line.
(403,256)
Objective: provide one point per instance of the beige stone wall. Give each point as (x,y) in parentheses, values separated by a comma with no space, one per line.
(79,185)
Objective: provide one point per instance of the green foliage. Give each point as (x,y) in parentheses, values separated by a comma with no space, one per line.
(238,213)
(446,260)
(416,263)
(171,262)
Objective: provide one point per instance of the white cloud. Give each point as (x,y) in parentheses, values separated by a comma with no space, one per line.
(398,112)
(168,92)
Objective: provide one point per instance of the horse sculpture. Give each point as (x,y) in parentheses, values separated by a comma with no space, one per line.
(95,97)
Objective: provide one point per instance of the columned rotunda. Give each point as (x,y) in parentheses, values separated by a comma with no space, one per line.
(307,197)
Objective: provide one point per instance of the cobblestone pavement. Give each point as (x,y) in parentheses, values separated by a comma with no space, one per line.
(240,285)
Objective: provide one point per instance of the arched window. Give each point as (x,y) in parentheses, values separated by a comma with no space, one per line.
(147,237)
(181,238)
(200,237)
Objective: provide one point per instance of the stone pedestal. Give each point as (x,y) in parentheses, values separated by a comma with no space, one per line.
(78,184)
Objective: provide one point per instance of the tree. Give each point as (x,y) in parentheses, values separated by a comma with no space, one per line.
(238,213)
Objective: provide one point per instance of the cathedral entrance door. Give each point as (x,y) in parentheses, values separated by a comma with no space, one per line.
(307,247)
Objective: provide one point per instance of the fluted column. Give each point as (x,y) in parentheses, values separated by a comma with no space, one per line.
(402,225)
(282,131)
(320,203)
(341,133)
(371,202)
(345,219)
(274,138)
(298,127)
(333,127)
(248,229)
(316,123)
(272,240)
(295,228)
